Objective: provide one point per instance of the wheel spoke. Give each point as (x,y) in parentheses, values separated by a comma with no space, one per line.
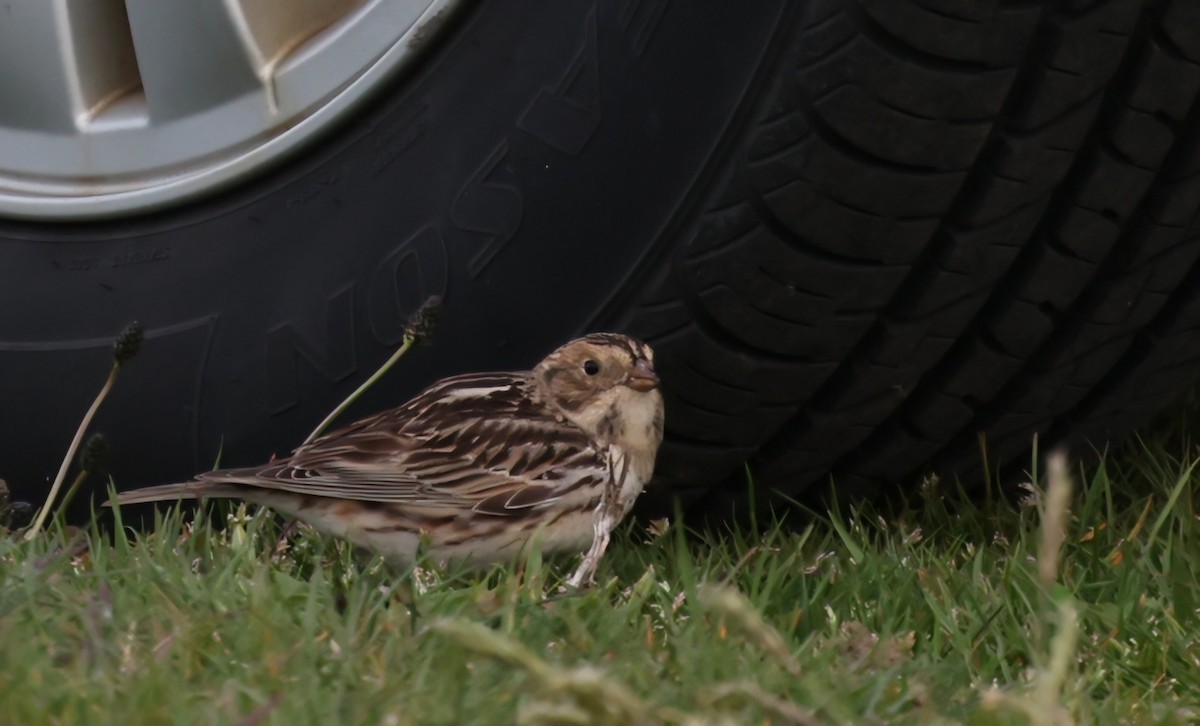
(278,26)
(186,72)
(39,95)
(104,68)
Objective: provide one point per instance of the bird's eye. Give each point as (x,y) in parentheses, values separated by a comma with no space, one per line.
(591,367)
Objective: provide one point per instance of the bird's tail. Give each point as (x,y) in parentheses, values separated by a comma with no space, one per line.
(176,492)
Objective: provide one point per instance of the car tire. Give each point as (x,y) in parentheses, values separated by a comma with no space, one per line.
(859,235)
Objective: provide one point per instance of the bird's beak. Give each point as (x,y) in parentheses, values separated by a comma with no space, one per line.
(643,378)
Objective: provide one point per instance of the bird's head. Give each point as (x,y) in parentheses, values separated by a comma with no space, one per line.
(605,384)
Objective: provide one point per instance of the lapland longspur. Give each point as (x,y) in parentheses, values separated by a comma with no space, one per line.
(476,464)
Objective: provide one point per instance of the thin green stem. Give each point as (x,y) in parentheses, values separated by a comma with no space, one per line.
(74,447)
(80,478)
(320,429)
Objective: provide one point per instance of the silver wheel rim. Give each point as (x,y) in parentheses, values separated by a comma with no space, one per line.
(113,107)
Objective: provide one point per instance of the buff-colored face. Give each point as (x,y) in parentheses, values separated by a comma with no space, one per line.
(606,385)
(582,371)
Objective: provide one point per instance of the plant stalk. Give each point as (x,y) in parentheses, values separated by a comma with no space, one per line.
(320,429)
(66,464)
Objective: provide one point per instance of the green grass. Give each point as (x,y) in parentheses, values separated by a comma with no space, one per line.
(935,614)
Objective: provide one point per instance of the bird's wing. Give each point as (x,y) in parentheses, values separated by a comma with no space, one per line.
(478,441)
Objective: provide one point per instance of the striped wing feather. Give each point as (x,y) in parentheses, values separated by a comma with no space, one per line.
(478,441)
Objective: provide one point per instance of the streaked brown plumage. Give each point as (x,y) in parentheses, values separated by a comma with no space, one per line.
(476,464)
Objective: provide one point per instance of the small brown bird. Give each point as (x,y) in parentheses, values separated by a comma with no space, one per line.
(476,465)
